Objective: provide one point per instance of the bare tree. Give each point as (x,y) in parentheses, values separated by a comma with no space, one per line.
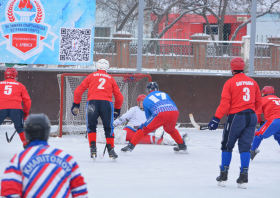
(124,13)
(265,7)
(219,8)
(121,13)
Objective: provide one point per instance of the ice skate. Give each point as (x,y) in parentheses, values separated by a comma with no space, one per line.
(223,177)
(181,148)
(254,153)
(93,150)
(243,179)
(112,154)
(129,147)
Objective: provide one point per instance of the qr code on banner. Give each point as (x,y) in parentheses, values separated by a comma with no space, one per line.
(75,45)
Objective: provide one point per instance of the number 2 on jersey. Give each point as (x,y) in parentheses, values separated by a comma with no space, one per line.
(8,89)
(102,80)
(155,100)
(277,102)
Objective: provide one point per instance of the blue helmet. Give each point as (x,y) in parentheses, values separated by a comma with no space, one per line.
(152,86)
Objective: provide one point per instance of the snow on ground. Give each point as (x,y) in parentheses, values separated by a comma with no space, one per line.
(156,171)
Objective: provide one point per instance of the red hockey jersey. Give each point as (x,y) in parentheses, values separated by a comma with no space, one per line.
(270,108)
(239,93)
(100,86)
(12,94)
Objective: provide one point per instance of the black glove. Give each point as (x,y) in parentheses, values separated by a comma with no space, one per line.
(75,109)
(117,113)
(262,122)
(213,124)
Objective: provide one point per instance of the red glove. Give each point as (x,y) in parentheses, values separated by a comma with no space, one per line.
(25,115)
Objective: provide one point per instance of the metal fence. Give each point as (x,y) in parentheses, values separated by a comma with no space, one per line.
(178,55)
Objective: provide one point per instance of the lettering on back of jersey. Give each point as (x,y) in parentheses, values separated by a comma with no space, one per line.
(240,83)
(9,83)
(102,75)
(40,160)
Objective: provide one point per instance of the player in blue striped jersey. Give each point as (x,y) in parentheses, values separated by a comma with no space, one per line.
(41,170)
(160,111)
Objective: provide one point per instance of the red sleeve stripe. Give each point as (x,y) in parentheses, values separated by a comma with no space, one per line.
(10,181)
(77,182)
(82,192)
(6,189)
(12,169)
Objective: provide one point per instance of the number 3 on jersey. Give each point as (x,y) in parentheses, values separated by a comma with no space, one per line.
(155,100)
(102,80)
(8,89)
(246,97)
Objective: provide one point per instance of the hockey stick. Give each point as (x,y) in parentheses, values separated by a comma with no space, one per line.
(200,127)
(9,140)
(101,156)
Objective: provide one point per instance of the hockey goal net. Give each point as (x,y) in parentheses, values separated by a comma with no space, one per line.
(131,85)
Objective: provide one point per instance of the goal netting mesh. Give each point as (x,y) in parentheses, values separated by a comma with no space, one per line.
(131,85)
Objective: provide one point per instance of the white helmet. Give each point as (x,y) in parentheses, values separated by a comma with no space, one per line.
(102,64)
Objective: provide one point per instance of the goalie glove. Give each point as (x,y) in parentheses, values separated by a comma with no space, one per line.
(117,113)
(75,109)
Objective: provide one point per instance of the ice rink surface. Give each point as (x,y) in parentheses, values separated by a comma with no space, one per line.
(155,171)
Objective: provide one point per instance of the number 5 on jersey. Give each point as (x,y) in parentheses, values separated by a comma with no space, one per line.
(8,89)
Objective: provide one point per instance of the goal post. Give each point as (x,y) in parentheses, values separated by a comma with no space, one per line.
(131,85)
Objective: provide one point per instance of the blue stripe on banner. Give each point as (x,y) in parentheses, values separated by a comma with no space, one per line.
(112,119)
(87,116)
(46,180)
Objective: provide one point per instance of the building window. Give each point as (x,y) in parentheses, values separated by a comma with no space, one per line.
(214,28)
(102,32)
